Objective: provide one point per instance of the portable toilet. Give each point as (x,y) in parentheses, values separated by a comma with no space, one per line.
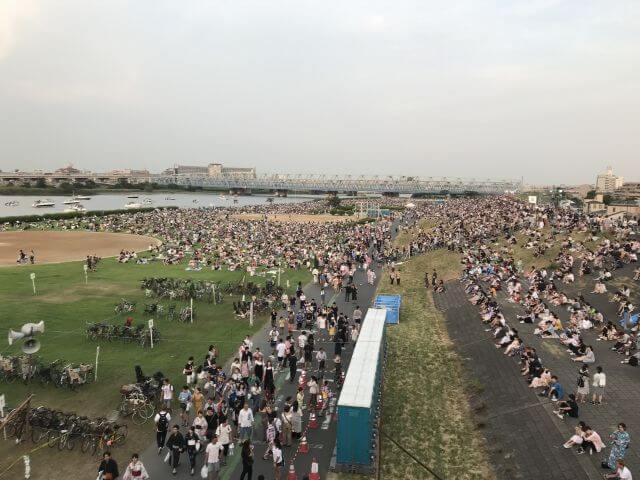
(392,304)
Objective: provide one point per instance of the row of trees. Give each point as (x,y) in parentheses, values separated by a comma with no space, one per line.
(122,184)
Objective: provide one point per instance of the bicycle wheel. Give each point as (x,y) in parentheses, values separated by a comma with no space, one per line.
(138,416)
(86,443)
(53,438)
(149,410)
(62,443)
(71,442)
(120,436)
(37,434)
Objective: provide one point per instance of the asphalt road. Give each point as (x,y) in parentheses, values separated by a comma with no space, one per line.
(321,440)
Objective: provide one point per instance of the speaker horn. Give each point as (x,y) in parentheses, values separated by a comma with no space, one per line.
(33,328)
(13,336)
(31,346)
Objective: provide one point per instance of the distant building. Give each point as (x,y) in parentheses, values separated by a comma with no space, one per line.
(212,170)
(629,191)
(595,205)
(608,182)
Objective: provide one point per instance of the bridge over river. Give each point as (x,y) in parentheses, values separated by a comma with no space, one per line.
(388,185)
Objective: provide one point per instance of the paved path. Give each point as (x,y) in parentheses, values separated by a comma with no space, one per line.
(522,433)
(321,440)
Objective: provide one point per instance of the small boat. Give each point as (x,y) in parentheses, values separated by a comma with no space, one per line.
(132,196)
(75,208)
(195,200)
(147,201)
(43,203)
(12,203)
(222,197)
(71,201)
(169,198)
(133,205)
(83,197)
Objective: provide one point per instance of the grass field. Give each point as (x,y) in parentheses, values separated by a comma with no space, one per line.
(66,304)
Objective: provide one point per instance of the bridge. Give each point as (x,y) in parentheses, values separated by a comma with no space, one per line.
(389,185)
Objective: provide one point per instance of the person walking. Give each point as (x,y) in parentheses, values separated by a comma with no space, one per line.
(135,469)
(108,467)
(224,434)
(167,394)
(176,445)
(192,441)
(598,384)
(247,460)
(278,459)
(245,422)
(293,366)
(161,420)
(212,458)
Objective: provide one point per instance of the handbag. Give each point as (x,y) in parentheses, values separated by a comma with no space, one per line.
(204,471)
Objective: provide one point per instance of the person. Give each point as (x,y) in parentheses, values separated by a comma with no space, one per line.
(161,420)
(247,460)
(212,457)
(570,408)
(224,434)
(175,444)
(621,473)
(592,441)
(321,358)
(167,394)
(286,426)
(293,365)
(245,422)
(193,445)
(135,469)
(278,459)
(582,391)
(108,467)
(599,383)
(619,443)
(184,398)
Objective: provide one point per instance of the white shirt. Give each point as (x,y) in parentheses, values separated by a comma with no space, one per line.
(223,432)
(277,455)
(213,452)
(167,392)
(280,348)
(599,380)
(624,473)
(245,418)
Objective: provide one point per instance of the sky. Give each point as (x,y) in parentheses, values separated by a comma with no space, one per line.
(545,90)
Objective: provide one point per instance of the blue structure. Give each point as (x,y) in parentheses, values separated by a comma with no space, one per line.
(358,405)
(392,304)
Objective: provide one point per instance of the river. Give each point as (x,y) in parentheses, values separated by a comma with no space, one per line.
(117,201)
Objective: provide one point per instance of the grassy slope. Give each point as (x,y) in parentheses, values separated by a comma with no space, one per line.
(65,303)
(424,403)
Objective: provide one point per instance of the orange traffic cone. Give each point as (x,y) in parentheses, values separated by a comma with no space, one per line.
(304,446)
(292,473)
(314,474)
(313,421)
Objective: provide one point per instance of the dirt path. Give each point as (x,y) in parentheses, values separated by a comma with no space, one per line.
(57,247)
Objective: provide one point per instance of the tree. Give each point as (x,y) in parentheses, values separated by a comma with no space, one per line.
(66,187)
(334,201)
(591,194)
(41,183)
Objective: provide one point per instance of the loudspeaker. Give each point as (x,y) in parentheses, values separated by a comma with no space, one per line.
(31,346)
(13,336)
(33,328)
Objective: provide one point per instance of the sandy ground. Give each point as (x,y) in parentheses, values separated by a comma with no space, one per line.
(324,218)
(57,247)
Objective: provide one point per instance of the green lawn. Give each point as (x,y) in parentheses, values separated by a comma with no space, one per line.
(66,304)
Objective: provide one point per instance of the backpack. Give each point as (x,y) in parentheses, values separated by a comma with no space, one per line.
(163,423)
(580,381)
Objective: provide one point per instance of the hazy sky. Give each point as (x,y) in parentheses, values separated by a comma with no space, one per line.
(544,89)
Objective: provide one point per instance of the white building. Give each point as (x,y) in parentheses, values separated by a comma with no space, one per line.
(608,182)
